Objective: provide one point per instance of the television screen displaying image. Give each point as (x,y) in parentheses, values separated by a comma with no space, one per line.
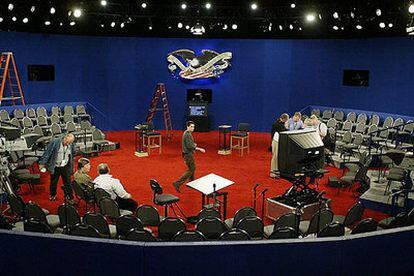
(199,95)
(197,110)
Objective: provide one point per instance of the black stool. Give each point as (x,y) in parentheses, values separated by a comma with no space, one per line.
(166,200)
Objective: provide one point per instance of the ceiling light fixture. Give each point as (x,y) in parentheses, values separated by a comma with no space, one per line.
(25,20)
(253,6)
(104,3)
(234,26)
(179,25)
(382,25)
(32,9)
(293,5)
(208,5)
(10,7)
(72,23)
(183,6)
(47,23)
(198,29)
(411,8)
(144,5)
(335,15)
(378,12)
(359,27)
(52,10)
(335,28)
(77,13)
(390,25)
(310,17)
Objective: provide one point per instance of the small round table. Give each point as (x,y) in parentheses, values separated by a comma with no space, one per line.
(224,139)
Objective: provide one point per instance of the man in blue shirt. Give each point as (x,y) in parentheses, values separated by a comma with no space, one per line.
(295,122)
(58,160)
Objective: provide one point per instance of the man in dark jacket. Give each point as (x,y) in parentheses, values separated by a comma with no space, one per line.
(58,160)
(188,147)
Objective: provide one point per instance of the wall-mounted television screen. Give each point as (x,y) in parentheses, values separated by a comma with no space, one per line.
(355,78)
(41,72)
(199,95)
(198,110)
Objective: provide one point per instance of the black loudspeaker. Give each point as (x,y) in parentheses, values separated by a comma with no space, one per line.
(41,72)
(202,124)
(356,78)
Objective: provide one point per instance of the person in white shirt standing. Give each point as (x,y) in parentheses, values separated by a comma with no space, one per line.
(320,127)
(114,188)
(279,126)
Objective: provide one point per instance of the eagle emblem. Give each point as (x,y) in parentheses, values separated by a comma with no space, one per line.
(187,65)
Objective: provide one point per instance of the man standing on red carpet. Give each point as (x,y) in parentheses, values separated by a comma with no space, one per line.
(188,155)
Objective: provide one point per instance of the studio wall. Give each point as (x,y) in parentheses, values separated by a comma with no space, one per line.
(118,75)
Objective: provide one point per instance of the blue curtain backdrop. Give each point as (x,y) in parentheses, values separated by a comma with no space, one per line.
(118,75)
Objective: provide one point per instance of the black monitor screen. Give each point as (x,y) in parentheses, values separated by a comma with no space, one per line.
(197,110)
(356,78)
(41,72)
(199,95)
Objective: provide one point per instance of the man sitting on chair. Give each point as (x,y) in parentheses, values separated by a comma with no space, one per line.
(81,175)
(114,188)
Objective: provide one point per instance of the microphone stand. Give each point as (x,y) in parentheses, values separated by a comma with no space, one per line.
(66,228)
(254,195)
(263,201)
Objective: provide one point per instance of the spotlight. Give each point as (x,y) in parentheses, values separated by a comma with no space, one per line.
(103,3)
(208,5)
(335,28)
(122,25)
(310,17)
(198,29)
(335,15)
(179,25)
(253,6)
(25,20)
(102,25)
(10,7)
(378,12)
(47,23)
(187,27)
(291,26)
(1,19)
(77,13)
(225,27)
(390,25)
(382,25)
(14,18)
(270,27)
(52,10)
(234,26)
(60,24)
(112,24)
(32,9)
(183,6)
(72,23)
(359,27)
(352,14)
(293,5)
(411,8)
(281,27)
(144,5)
(150,27)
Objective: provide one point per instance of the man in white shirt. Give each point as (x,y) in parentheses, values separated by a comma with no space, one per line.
(279,126)
(114,188)
(319,126)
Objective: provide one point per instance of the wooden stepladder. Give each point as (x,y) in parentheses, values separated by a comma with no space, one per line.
(160,92)
(9,78)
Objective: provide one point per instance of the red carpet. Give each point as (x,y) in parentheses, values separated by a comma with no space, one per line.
(245,171)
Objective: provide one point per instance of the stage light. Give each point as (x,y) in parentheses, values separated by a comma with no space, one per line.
(150,27)
(208,5)
(1,19)
(122,25)
(198,29)
(183,6)
(52,10)
(61,24)
(102,25)
(32,8)
(225,27)
(291,26)
(179,25)
(14,18)
(335,28)
(234,26)
(300,28)
(47,23)
(411,8)
(293,5)
(378,12)
(103,3)
(352,15)
(253,6)
(77,13)
(382,25)
(144,5)
(310,17)
(187,27)
(390,25)
(270,27)
(281,27)
(335,15)
(10,7)
(359,27)
(72,23)
(25,20)
(112,24)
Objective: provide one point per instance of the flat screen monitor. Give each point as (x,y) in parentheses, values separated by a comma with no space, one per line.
(356,78)
(198,110)
(199,95)
(41,72)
